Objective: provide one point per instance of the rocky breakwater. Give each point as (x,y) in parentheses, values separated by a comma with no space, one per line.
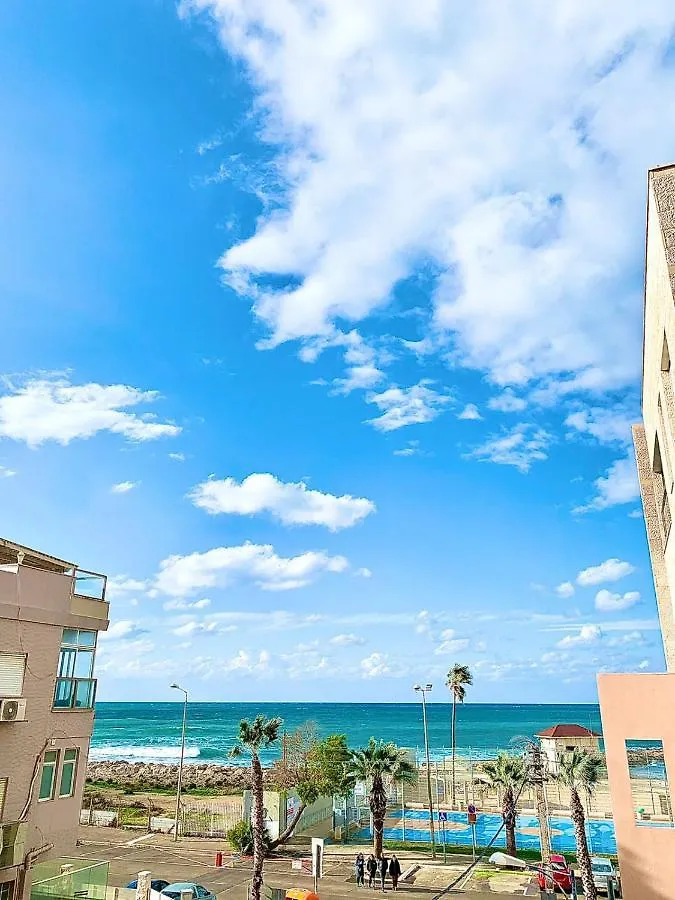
(144,776)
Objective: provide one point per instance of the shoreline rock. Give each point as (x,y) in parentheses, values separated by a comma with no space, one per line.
(124,774)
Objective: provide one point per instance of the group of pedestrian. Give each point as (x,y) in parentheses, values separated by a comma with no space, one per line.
(373,867)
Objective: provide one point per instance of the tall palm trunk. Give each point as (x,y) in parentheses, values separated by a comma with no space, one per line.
(583,856)
(509,814)
(258,827)
(378,809)
(454,732)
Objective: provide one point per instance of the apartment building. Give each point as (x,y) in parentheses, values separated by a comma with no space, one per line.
(640,707)
(50,615)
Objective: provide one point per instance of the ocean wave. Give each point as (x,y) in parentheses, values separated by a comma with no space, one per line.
(144,754)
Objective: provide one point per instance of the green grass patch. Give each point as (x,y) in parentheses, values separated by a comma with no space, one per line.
(143,787)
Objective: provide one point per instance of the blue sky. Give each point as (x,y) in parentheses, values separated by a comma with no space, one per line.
(322,328)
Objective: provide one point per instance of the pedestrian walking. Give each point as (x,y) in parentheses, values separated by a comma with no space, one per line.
(360,869)
(382,867)
(371,869)
(394,871)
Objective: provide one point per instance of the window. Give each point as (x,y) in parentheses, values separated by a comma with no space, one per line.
(3,793)
(12,671)
(649,783)
(75,686)
(665,356)
(6,890)
(48,780)
(68,773)
(660,490)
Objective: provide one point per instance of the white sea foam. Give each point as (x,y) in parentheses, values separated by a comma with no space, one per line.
(145,754)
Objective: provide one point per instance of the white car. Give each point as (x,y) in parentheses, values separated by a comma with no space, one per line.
(603,869)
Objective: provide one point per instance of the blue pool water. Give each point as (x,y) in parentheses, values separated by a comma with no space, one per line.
(600,833)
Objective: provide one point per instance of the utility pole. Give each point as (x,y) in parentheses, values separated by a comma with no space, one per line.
(423,690)
(539,782)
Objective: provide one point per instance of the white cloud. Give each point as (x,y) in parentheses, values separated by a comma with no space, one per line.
(177,457)
(610,570)
(470,412)
(606,601)
(292,503)
(346,640)
(124,629)
(242,663)
(635,514)
(118,585)
(6,473)
(407,406)
(171,605)
(565,590)
(450,643)
(359,378)
(529,212)
(588,634)
(618,485)
(644,664)
(376,665)
(123,487)
(606,425)
(221,567)
(188,629)
(631,637)
(363,572)
(411,449)
(520,447)
(507,402)
(53,409)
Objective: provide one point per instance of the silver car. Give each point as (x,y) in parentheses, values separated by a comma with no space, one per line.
(603,869)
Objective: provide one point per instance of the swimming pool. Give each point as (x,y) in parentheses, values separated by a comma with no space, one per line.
(600,833)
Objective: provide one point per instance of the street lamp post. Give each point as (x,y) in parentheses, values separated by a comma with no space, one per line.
(423,690)
(177,687)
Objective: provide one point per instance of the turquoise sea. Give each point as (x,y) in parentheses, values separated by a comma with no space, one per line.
(151,731)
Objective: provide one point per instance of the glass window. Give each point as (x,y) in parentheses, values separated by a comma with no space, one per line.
(6,890)
(84,694)
(48,780)
(649,783)
(75,687)
(68,773)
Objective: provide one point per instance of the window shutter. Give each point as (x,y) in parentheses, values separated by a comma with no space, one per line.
(3,793)
(12,669)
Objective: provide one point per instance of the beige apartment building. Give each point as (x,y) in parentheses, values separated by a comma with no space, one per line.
(50,615)
(642,707)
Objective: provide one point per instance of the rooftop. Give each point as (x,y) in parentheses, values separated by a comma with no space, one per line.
(567,731)
(9,555)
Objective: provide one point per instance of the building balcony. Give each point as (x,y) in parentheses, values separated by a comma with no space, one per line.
(12,843)
(75,693)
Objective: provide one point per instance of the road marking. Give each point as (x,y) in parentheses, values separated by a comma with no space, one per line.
(138,840)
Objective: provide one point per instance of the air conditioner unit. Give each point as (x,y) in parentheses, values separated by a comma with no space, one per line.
(12,711)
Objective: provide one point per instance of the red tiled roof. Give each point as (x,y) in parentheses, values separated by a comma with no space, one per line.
(567,731)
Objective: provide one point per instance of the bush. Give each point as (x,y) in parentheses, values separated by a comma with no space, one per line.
(241,838)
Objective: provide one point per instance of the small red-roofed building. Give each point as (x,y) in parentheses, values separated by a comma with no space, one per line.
(559,739)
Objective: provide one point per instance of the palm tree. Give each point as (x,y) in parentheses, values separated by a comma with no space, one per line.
(458,677)
(254,737)
(508,774)
(380,765)
(579,770)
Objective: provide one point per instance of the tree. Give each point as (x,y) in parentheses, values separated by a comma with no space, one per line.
(508,774)
(314,768)
(580,771)
(458,678)
(380,765)
(254,737)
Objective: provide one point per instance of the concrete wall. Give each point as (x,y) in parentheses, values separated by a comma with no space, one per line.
(553,748)
(35,606)
(638,707)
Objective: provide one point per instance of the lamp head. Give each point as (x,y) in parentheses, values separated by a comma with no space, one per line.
(418,687)
(428,687)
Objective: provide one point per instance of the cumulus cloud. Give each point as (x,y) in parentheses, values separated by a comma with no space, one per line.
(6,473)
(520,447)
(292,503)
(347,640)
(123,487)
(412,448)
(407,406)
(53,409)
(606,601)
(565,590)
(125,629)
(450,643)
(470,413)
(376,665)
(193,627)
(610,570)
(119,585)
(588,634)
(528,213)
(605,425)
(618,485)
(507,402)
(179,605)
(180,576)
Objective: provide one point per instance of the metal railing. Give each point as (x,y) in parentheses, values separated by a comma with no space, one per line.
(75,693)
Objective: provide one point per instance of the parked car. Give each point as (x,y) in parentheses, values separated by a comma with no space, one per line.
(559,872)
(603,869)
(199,892)
(157,885)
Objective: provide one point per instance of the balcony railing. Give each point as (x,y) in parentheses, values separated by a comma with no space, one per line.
(75,693)
(89,584)
(12,843)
